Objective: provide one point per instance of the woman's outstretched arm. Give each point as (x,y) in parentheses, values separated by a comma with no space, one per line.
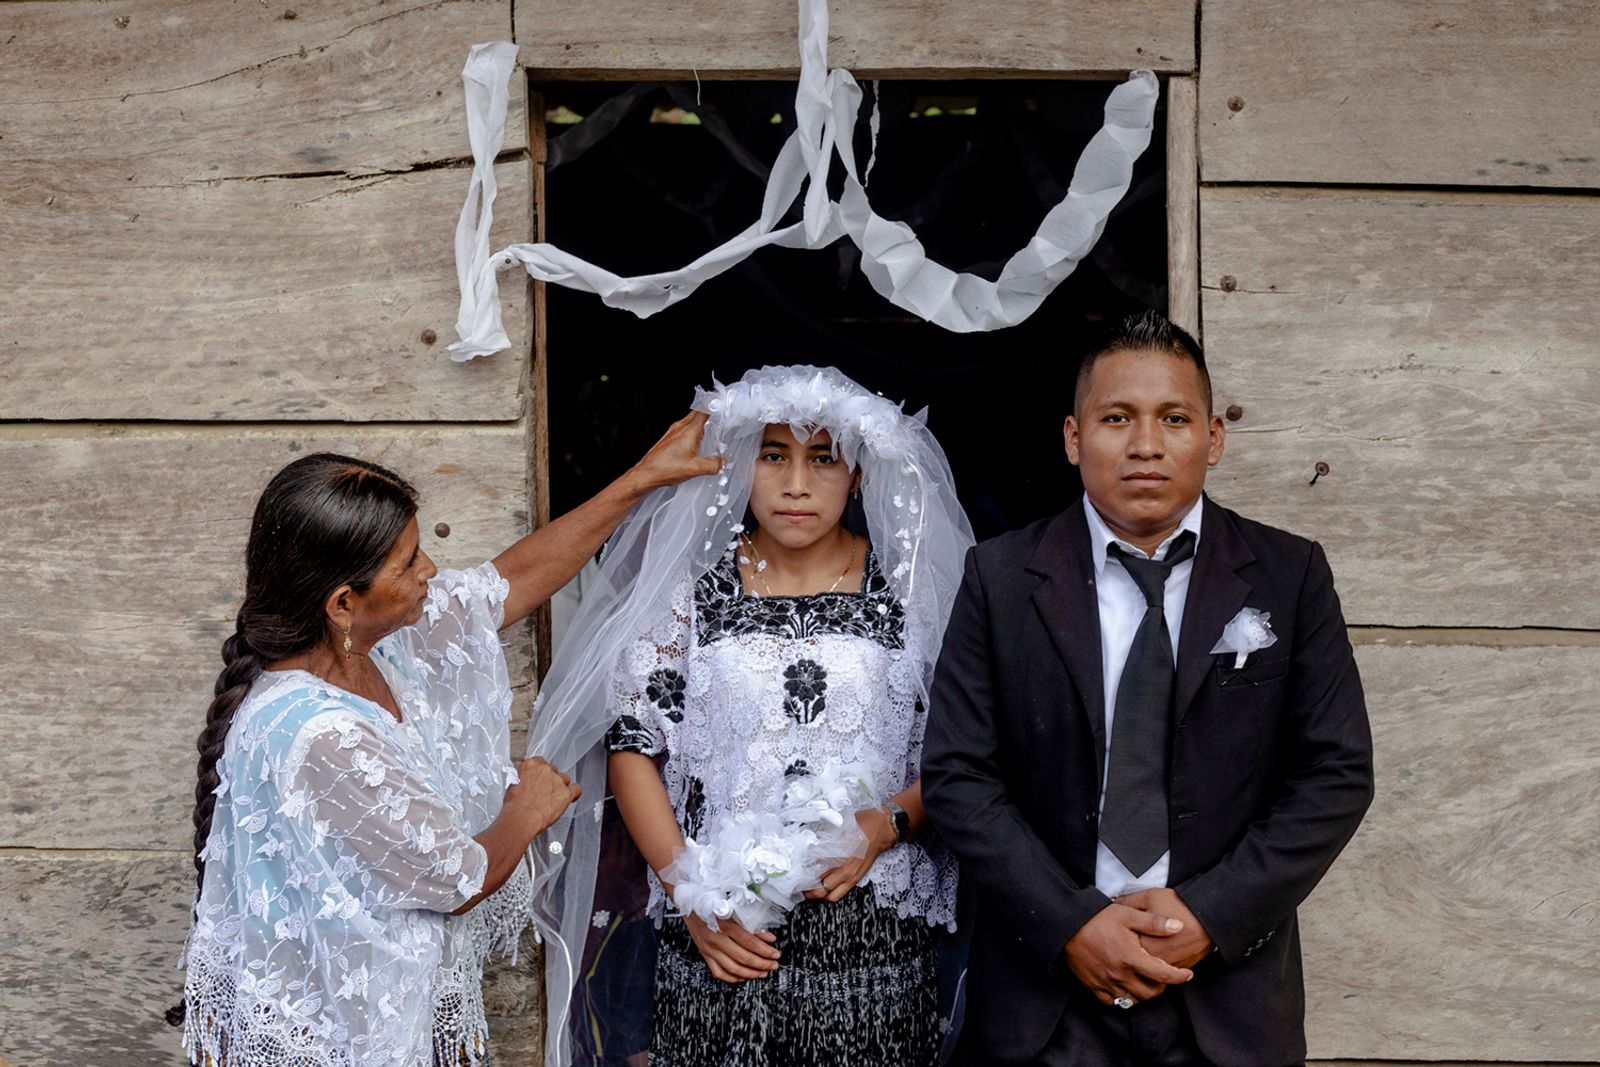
(549,557)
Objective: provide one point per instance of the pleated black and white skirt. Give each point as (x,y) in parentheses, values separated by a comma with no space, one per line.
(857,987)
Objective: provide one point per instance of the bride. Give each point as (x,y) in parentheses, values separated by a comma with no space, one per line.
(772,626)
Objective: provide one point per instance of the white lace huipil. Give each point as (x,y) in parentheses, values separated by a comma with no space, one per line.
(742,691)
(340,842)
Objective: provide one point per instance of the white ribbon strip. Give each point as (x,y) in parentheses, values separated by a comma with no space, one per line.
(893,260)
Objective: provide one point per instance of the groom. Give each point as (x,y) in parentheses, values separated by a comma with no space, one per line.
(1140,801)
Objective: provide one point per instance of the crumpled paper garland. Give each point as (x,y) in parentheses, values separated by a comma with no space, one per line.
(892,258)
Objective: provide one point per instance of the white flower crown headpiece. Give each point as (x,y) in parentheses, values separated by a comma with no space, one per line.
(807,399)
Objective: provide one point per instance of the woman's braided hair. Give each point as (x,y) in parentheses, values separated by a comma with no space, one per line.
(323,521)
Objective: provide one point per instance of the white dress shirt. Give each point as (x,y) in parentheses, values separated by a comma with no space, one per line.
(1122,608)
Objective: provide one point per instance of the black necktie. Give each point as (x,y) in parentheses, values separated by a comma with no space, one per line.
(1133,824)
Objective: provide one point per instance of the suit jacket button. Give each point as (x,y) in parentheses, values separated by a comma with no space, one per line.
(1088,817)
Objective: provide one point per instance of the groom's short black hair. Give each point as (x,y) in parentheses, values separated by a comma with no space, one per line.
(1145,331)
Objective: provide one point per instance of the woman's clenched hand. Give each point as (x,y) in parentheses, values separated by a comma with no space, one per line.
(543,794)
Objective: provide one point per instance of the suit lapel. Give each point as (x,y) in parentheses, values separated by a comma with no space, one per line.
(1216,593)
(1068,606)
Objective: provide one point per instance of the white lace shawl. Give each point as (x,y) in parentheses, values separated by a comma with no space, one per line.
(340,842)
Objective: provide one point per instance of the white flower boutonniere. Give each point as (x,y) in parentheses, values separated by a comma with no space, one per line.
(1247,632)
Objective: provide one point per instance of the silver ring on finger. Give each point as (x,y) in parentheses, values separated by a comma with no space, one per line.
(1124,1002)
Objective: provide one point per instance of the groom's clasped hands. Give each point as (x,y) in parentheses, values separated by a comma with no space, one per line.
(1139,945)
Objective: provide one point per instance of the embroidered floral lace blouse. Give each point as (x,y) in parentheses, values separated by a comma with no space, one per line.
(342,839)
(741,691)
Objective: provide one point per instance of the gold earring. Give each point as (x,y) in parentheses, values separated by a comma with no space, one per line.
(347,642)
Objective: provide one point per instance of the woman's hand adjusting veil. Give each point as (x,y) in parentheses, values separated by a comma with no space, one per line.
(536,800)
(676,457)
(551,556)
(542,794)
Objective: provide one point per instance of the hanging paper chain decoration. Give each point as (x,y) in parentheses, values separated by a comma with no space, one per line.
(893,260)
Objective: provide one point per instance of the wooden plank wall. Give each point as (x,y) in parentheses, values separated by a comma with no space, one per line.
(1399,238)
(227,228)
(620,39)
(264,205)
(228,231)
(1327,93)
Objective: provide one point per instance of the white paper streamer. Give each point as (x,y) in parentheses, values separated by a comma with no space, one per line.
(893,260)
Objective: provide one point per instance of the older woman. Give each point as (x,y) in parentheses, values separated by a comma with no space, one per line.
(359,826)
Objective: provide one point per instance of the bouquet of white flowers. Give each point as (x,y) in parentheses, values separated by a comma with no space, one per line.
(752,868)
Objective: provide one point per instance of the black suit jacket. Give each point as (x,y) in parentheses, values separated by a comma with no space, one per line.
(1270,773)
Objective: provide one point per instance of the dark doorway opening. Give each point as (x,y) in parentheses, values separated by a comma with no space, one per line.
(972,165)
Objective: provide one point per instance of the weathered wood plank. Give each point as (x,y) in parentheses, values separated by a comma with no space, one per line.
(281,299)
(1438,352)
(887,38)
(1459,92)
(1183,206)
(89,945)
(121,576)
(182,91)
(538,407)
(1461,924)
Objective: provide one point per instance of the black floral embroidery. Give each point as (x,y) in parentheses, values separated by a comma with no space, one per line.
(806,682)
(722,609)
(628,734)
(664,689)
(694,807)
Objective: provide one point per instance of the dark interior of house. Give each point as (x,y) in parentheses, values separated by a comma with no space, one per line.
(645,178)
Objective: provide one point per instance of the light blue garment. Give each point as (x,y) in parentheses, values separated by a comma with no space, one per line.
(342,839)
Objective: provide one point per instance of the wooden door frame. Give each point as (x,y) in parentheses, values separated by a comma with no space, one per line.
(1183,278)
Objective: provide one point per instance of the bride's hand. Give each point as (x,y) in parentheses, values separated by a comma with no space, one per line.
(733,953)
(879,828)
(676,457)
